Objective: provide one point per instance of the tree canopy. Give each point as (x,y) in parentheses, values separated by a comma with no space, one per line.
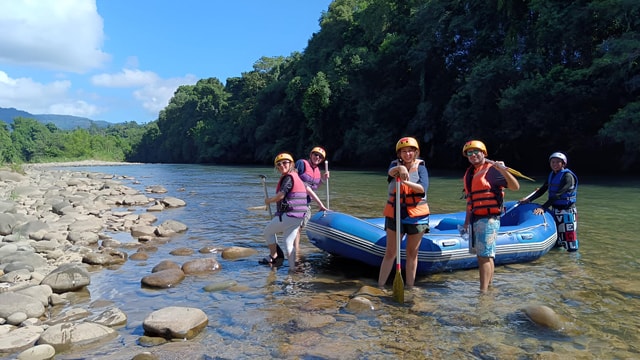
(527,77)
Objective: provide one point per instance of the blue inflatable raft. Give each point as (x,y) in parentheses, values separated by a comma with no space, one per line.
(523,237)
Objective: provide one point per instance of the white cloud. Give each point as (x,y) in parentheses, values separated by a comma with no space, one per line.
(127,78)
(52,34)
(38,98)
(75,108)
(155,97)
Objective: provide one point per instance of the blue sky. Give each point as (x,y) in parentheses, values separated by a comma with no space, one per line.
(121,60)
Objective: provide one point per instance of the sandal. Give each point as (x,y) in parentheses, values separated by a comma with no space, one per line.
(271,261)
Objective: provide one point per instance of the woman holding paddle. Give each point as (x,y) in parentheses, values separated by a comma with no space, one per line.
(484,182)
(413,176)
(291,199)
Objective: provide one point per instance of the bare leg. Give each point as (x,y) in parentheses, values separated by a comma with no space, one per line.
(413,244)
(273,251)
(389,257)
(296,247)
(486,267)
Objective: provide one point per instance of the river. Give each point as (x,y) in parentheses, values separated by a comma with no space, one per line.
(596,290)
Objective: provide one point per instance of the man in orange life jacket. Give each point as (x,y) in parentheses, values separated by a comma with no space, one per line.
(484,182)
(562,185)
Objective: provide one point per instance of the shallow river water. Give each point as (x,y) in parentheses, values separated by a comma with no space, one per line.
(596,290)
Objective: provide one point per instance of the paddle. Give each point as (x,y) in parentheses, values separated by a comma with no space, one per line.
(326,171)
(512,171)
(266,194)
(398,284)
(518,203)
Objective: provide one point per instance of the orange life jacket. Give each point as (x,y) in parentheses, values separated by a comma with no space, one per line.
(482,198)
(415,204)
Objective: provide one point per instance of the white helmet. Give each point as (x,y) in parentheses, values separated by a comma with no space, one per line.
(560,156)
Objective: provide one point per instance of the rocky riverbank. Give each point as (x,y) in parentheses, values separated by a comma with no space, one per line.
(54,230)
(60,225)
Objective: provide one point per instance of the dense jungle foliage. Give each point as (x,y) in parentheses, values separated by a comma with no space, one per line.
(30,141)
(527,77)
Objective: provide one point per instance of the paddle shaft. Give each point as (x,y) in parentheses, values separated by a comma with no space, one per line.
(266,194)
(326,171)
(398,285)
(518,203)
(512,171)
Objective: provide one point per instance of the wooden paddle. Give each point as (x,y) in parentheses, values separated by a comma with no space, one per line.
(512,171)
(398,284)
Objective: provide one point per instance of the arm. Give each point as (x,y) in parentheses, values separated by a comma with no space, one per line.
(512,182)
(537,194)
(566,183)
(275,198)
(397,170)
(315,198)
(286,184)
(300,167)
(422,184)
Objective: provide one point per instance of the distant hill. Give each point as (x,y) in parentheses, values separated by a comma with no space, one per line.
(62,122)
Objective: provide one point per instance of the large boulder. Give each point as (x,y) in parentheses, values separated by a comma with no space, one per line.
(67,277)
(65,336)
(163,279)
(11,302)
(175,322)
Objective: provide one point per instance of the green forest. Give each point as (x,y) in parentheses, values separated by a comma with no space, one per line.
(527,77)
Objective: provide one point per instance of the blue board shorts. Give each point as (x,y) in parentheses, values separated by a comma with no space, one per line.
(485,233)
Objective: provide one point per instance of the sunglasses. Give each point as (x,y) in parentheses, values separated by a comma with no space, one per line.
(282,163)
(473,152)
(317,154)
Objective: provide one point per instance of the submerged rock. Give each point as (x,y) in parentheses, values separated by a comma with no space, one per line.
(544,316)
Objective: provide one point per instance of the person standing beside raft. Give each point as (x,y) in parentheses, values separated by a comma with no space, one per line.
(414,209)
(562,185)
(484,184)
(309,172)
(291,199)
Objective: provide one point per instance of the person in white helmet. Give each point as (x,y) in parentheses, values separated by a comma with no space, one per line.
(562,185)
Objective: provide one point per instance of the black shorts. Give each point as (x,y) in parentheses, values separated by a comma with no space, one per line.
(410,229)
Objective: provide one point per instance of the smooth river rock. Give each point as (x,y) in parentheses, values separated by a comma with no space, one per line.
(175,322)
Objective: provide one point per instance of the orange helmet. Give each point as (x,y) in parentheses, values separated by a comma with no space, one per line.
(406,142)
(283,156)
(474,144)
(320,151)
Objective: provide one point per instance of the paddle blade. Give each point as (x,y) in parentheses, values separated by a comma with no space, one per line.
(398,286)
(519,174)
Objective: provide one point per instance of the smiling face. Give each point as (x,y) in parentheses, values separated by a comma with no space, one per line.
(556,164)
(475,156)
(408,154)
(315,158)
(284,166)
